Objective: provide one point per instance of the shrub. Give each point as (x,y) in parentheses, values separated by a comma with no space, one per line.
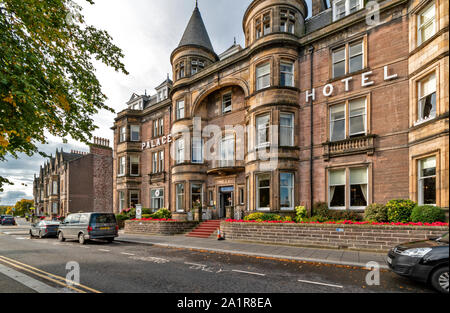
(376,213)
(399,211)
(321,209)
(300,212)
(121,217)
(146,215)
(288,219)
(345,215)
(161,214)
(315,218)
(262,217)
(146,211)
(427,214)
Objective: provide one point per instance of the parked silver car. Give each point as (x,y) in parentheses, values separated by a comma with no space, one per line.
(86,226)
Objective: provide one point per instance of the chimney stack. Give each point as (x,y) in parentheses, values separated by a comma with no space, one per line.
(319,6)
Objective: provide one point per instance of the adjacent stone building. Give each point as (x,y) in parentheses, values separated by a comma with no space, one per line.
(76,181)
(347,107)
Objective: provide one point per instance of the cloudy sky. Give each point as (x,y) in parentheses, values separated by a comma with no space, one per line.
(147,31)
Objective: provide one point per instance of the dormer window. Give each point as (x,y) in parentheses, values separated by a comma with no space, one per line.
(342,8)
(287,21)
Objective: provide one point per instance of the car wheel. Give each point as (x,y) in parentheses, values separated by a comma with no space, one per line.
(31,235)
(61,236)
(40,235)
(81,239)
(439,279)
(110,239)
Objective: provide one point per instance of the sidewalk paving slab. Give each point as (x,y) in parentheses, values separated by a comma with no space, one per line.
(306,254)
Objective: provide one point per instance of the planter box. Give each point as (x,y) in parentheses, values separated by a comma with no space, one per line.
(379,238)
(159,227)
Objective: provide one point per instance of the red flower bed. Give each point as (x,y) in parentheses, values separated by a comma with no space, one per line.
(154,219)
(343,223)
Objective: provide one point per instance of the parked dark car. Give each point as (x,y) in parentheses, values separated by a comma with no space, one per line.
(7,220)
(425,261)
(86,226)
(44,229)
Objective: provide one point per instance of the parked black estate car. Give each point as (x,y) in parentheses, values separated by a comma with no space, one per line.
(86,226)
(7,220)
(425,261)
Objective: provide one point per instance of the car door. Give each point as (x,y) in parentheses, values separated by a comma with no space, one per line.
(74,226)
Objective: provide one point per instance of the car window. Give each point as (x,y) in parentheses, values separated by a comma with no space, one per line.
(84,219)
(103,219)
(75,219)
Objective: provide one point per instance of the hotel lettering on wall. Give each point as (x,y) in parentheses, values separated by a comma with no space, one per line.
(365,82)
(154,143)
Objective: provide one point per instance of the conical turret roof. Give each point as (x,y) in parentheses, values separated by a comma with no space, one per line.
(196,33)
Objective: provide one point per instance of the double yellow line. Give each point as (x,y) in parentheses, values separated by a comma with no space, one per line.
(47,276)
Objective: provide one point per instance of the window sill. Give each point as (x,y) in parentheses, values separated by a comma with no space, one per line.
(423,121)
(342,77)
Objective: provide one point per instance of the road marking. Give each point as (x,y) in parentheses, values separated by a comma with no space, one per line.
(27,280)
(150,259)
(21,238)
(323,284)
(104,250)
(124,253)
(47,275)
(251,273)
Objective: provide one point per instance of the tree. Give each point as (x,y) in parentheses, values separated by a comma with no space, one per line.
(47,78)
(22,207)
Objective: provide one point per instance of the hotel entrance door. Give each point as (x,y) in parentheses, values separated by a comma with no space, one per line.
(226,200)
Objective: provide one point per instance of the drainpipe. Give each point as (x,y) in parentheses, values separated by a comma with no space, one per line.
(311,152)
(169,172)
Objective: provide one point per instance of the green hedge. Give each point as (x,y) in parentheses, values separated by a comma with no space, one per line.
(399,210)
(427,214)
(376,213)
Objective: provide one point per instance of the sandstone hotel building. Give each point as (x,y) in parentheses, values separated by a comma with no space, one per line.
(358,93)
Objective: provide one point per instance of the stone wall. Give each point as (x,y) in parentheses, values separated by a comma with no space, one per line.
(358,237)
(159,227)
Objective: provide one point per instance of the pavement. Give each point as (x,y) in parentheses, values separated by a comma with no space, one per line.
(280,252)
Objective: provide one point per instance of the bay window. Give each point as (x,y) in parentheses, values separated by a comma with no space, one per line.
(123,134)
(427,181)
(121,201)
(122,166)
(263,192)
(134,165)
(196,195)
(135,133)
(263,76)
(157,199)
(179,189)
(197,150)
(179,151)
(287,129)
(262,131)
(287,21)
(287,74)
(134,198)
(287,191)
(226,150)
(55,187)
(180,109)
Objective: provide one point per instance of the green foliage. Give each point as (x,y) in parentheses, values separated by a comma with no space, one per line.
(47,76)
(321,209)
(146,215)
(162,213)
(263,217)
(376,213)
(288,219)
(122,217)
(427,214)
(345,216)
(23,206)
(315,218)
(300,213)
(399,211)
(146,211)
